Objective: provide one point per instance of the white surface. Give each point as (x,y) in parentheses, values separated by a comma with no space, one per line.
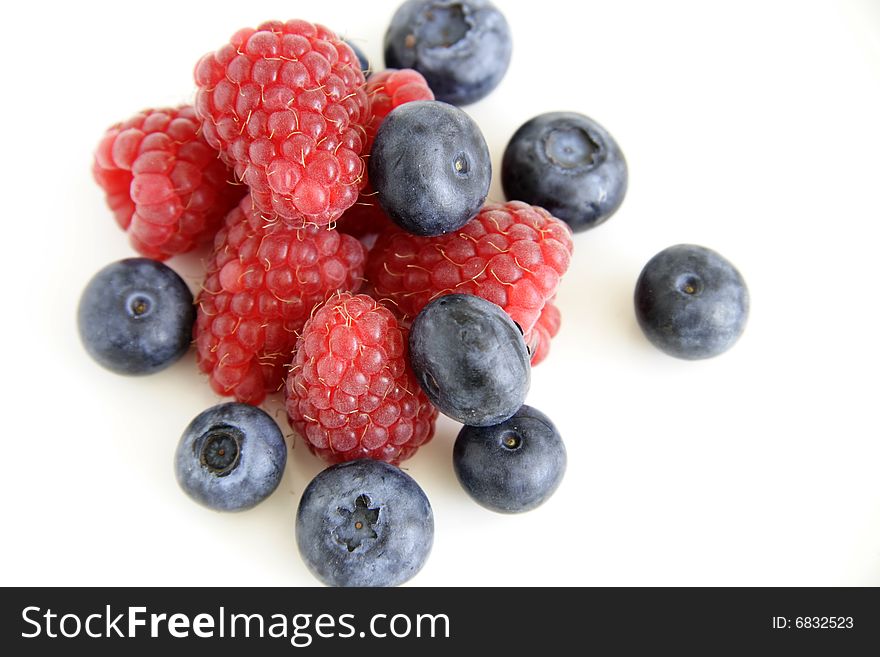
(749,127)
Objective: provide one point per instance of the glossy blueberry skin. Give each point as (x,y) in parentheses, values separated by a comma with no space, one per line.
(461,47)
(430,167)
(470,358)
(364,523)
(691,302)
(364,62)
(513,466)
(231,457)
(136,316)
(568,164)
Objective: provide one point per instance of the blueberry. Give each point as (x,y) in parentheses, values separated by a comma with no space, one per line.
(364,523)
(470,358)
(513,466)
(461,48)
(136,316)
(430,167)
(691,302)
(362,59)
(568,164)
(230,457)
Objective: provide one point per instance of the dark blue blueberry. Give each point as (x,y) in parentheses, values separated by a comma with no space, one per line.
(362,59)
(136,316)
(513,466)
(462,47)
(470,358)
(568,164)
(691,302)
(364,523)
(430,167)
(230,457)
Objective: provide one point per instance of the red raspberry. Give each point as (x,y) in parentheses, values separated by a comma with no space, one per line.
(386,89)
(262,283)
(545,329)
(285,104)
(512,254)
(351,393)
(366,217)
(165,185)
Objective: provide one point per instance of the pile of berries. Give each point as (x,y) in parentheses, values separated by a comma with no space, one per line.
(359,271)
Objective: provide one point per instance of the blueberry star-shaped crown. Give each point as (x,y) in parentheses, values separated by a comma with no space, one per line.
(357,524)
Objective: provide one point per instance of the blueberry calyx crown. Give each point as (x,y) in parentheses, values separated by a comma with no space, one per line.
(689,284)
(443,26)
(511,440)
(139,304)
(220,449)
(572,147)
(358,523)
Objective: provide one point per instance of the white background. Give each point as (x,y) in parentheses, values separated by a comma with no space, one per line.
(750,127)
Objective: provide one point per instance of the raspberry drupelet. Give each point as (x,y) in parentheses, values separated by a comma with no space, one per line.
(545,330)
(511,254)
(165,184)
(351,392)
(263,281)
(285,104)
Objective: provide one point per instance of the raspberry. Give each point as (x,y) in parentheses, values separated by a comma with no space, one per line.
(386,89)
(165,185)
(366,217)
(545,329)
(351,393)
(512,254)
(285,104)
(262,283)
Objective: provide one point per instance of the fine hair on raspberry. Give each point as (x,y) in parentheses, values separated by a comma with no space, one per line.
(165,185)
(351,392)
(262,283)
(286,107)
